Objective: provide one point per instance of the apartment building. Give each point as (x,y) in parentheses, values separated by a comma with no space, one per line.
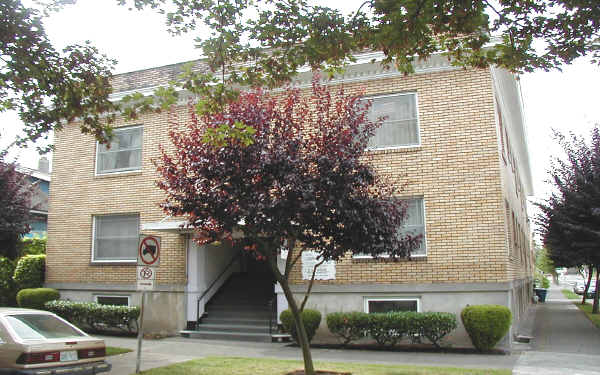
(457,138)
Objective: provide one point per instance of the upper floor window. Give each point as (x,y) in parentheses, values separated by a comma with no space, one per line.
(124,153)
(400,127)
(116,238)
(414,224)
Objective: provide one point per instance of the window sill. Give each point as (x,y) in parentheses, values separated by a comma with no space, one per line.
(119,174)
(386,259)
(113,263)
(394,150)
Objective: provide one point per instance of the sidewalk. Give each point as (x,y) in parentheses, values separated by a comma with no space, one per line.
(157,353)
(565,341)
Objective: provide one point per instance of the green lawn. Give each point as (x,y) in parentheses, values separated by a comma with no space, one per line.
(112,350)
(253,366)
(587,308)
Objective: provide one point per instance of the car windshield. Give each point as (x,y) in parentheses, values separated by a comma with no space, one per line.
(35,327)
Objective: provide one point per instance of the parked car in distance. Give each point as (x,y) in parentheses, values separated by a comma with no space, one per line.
(591,290)
(34,342)
(579,287)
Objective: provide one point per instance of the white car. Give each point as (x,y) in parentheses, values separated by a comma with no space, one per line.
(34,342)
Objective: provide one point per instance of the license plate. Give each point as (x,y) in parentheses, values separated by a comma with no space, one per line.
(70,355)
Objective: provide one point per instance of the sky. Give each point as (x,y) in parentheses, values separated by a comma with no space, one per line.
(566,101)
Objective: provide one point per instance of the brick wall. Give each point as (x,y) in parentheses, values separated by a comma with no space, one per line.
(456,170)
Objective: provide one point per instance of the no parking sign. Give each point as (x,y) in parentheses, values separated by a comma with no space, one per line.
(149,251)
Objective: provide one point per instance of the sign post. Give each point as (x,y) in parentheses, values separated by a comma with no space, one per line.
(138,361)
(148,260)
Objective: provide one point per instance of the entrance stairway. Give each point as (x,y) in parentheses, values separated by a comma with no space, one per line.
(240,310)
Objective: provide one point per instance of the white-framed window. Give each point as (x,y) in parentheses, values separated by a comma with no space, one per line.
(401,126)
(115,238)
(116,300)
(414,224)
(124,153)
(388,304)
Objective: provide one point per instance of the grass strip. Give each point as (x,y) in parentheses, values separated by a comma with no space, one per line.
(263,366)
(587,308)
(113,350)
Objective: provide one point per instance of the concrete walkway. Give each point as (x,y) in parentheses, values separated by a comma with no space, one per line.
(565,340)
(157,353)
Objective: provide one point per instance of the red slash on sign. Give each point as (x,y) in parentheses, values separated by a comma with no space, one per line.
(149,251)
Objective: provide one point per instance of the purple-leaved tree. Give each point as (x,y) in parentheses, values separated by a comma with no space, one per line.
(286,168)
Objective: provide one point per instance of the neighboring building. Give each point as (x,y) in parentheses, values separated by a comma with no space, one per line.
(40,181)
(456,135)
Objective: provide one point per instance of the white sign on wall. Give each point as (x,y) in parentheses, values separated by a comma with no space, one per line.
(325,271)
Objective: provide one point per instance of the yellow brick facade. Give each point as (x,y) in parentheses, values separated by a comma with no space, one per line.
(458,170)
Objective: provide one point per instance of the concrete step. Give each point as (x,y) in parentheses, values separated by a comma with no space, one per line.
(236,306)
(233,321)
(221,335)
(241,328)
(249,314)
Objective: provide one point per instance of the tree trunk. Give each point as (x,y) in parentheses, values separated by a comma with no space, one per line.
(300,331)
(587,284)
(595,306)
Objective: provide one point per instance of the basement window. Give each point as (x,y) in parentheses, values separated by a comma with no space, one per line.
(389,304)
(114,300)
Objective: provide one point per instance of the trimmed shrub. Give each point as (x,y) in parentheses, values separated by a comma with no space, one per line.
(310,318)
(348,326)
(486,324)
(35,298)
(7,285)
(388,328)
(95,316)
(433,325)
(29,272)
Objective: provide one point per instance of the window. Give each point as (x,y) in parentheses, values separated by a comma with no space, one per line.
(38,326)
(414,224)
(388,304)
(115,238)
(124,153)
(112,300)
(400,127)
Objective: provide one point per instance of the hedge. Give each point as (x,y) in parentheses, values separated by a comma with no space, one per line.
(387,329)
(348,326)
(35,298)
(486,324)
(7,285)
(310,318)
(29,272)
(434,325)
(96,316)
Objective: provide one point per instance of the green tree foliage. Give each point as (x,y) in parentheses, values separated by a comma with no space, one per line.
(256,43)
(33,246)
(15,202)
(570,218)
(48,87)
(266,42)
(7,285)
